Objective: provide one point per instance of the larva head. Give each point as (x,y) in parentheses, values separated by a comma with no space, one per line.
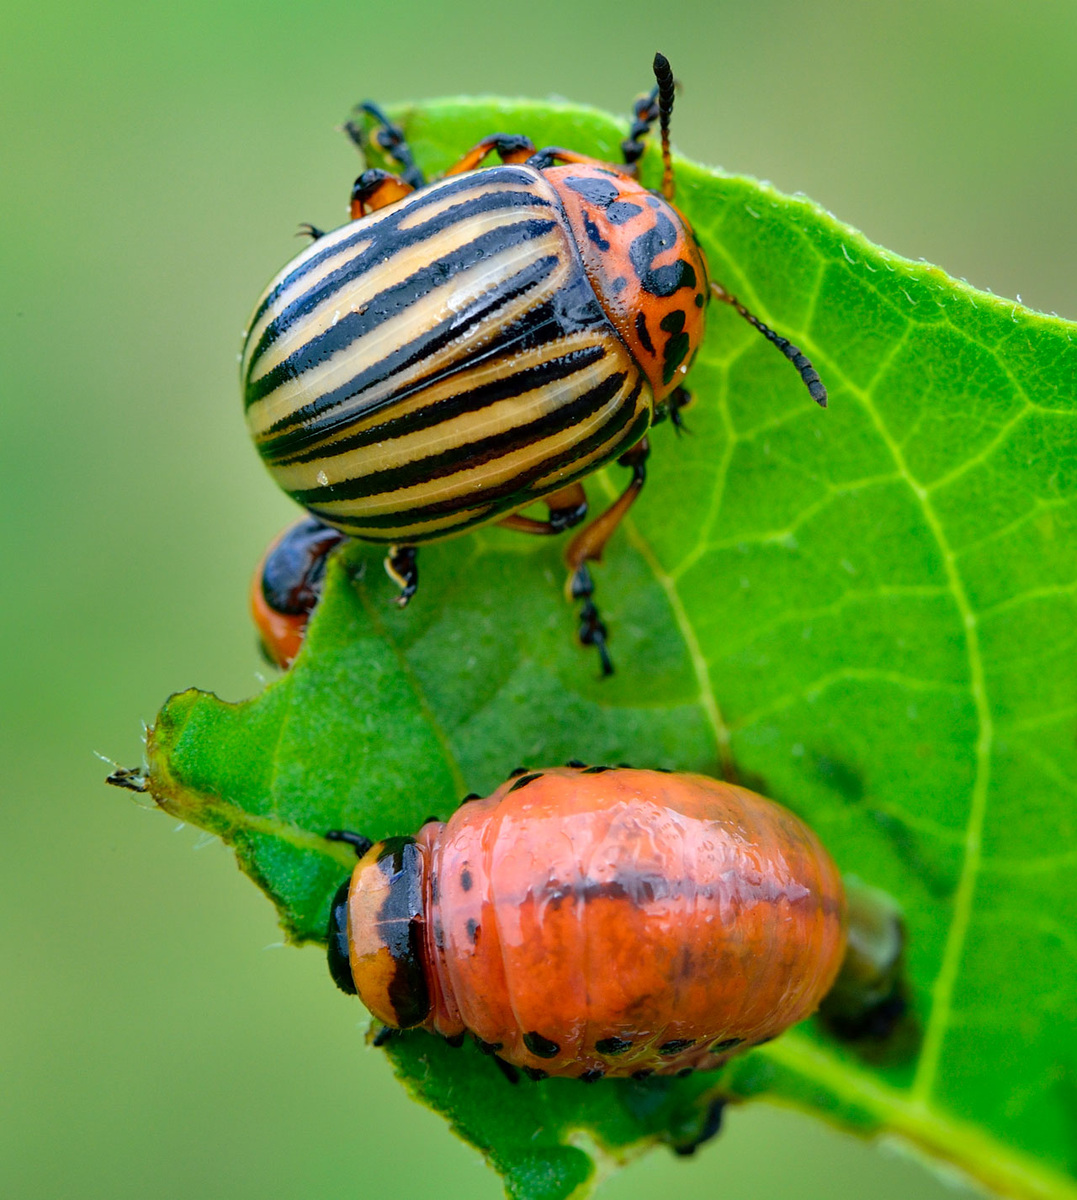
(644,263)
(375,933)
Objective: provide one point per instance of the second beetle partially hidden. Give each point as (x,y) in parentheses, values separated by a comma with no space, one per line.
(465,348)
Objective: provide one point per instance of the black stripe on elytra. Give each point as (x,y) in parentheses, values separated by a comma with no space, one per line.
(387,246)
(467,454)
(643,250)
(398,925)
(324,415)
(507,496)
(471,400)
(390,225)
(392,301)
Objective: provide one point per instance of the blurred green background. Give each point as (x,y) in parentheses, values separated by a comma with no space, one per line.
(154,1039)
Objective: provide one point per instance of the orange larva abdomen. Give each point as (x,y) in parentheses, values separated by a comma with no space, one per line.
(626,920)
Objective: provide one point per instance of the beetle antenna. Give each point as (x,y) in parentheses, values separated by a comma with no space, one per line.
(663,74)
(808,373)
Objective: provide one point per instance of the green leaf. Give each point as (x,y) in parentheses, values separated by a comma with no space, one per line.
(867,613)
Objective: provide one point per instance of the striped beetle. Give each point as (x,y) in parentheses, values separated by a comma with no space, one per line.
(464,348)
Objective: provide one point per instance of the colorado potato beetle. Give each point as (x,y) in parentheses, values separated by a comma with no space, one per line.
(593,921)
(467,347)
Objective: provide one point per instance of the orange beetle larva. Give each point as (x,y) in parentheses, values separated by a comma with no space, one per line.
(591,921)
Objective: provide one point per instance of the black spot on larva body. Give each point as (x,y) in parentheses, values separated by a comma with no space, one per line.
(524,780)
(684,1072)
(507,1069)
(643,333)
(470,796)
(487,1047)
(535,1073)
(612,1045)
(643,1073)
(592,1076)
(541,1047)
(456,1040)
(675,1046)
(517,771)
(596,770)
(434,819)
(576,764)
(594,233)
(726,1044)
(465,879)
(472,928)
(621,211)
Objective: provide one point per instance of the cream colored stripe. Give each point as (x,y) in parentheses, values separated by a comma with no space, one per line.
(438,305)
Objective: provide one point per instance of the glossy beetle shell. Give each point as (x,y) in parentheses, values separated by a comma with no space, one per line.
(461,353)
(601,922)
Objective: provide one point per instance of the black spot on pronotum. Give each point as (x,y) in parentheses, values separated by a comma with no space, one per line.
(677,344)
(675,1046)
(592,1076)
(594,233)
(672,322)
(535,1073)
(643,333)
(472,928)
(665,280)
(524,780)
(726,1044)
(612,1045)
(597,191)
(621,211)
(337,932)
(541,1047)
(465,879)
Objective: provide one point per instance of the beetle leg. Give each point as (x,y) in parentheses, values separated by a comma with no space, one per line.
(671,408)
(511,148)
(567,508)
(390,140)
(375,189)
(403,568)
(311,231)
(588,544)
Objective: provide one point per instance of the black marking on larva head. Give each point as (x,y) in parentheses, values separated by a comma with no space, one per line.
(384,1035)
(455,1040)
(517,771)
(593,232)
(592,1076)
(340,966)
(720,1047)
(535,1073)
(675,1046)
(596,770)
(644,249)
(524,780)
(507,1069)
(472,928)
(576,765)
(643,1073)
(399,927)
(643,333)
(541,1047)
(465,879)
(487,1047)
(612,1045)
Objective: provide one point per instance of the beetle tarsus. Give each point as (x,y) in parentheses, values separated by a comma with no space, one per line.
(403,568)
(592,630)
